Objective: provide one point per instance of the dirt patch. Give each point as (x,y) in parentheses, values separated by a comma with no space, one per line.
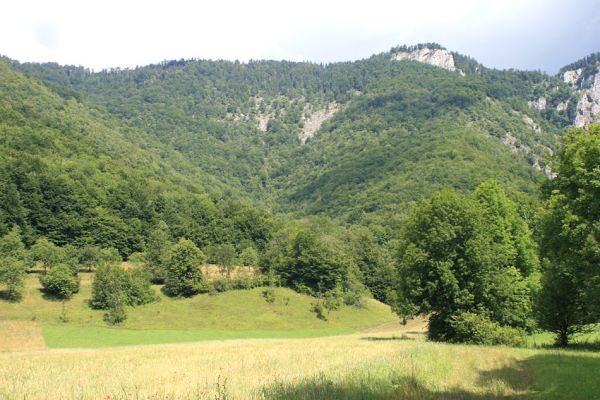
(21,336)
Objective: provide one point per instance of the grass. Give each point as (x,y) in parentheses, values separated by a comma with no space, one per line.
(276,350)
(400,365)
(234,314)
(70,336)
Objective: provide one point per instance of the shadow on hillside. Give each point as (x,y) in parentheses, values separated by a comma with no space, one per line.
(558,376)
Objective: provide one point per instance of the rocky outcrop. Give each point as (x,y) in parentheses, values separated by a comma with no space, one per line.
(562,106)
(314,121)
(438,57)
(539,104)
(588,107)
(571,77)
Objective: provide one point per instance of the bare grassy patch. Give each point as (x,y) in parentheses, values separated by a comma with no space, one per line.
(21,336)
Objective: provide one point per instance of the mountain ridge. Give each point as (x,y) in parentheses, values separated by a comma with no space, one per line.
(271,131)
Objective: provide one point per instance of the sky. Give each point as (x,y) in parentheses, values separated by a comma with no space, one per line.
(521,34)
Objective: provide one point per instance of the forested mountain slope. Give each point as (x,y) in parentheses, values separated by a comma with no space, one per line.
(352,140)
(76,175)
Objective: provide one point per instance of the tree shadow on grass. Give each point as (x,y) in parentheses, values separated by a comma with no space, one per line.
(50,296)
(6,295)
(386,338)
(544,376)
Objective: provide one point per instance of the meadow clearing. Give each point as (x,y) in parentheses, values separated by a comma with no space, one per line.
(276,350)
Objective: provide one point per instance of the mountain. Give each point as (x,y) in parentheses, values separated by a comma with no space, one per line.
(360,141)
(75,174)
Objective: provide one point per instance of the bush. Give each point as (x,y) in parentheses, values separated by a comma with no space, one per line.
(269,295)
(116,311)
(319,310)
(478,329)
(224,284)
(130,288)
(60,281)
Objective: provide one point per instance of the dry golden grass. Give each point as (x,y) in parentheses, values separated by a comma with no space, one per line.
(213,271)
(21,336)
(244,368)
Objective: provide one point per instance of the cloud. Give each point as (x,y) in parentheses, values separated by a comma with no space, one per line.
(47,34)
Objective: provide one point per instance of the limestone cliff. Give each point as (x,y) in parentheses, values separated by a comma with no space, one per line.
(438,57)
(588,89)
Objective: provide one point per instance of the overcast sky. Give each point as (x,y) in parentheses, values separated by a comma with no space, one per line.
(523,34)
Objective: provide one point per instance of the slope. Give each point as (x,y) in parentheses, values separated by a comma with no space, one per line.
(73,173)
(397,129)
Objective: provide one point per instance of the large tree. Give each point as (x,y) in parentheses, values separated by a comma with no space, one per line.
(184,277)
(465,254)
(571,237)
(13,265)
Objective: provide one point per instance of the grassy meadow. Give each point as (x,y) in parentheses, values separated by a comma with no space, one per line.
(177,349)
(228,315)
(365,365)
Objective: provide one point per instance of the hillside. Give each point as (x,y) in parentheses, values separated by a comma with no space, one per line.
(344,139)
(77,175)
(230,315)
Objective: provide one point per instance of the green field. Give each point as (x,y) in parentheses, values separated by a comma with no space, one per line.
(229,315)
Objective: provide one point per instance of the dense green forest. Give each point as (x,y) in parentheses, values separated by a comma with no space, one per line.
(389,114)
(427,188)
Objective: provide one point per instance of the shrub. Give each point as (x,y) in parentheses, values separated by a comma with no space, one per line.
(116,311)
(319,310)
(60,281)
(475,328)
(269,295)
(130,288)
(224,284)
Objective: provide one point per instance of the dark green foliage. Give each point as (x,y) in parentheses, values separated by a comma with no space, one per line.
(184,277)
(47,253)
(60,281)
(404,130)
(157,253)
(319,309)
(114,286)
(242,283)
(249,257)
(461,254)
(475,328)
(560,308)
(373,261)
(306,263)
(73,174)
(570,237)
(224,255)
(116,309)
(269,295)
(13,265)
